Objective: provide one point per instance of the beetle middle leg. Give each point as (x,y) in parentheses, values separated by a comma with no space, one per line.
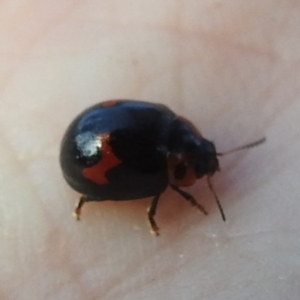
(189,198)
(151,213)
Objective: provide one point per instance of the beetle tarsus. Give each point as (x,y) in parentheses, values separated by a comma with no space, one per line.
(77,211)
(154,229)
(151,213)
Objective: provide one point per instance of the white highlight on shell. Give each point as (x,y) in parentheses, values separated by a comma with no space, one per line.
(88,144)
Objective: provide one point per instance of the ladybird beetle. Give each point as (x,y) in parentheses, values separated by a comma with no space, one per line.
(124,149)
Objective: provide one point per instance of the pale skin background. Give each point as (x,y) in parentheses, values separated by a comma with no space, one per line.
(232,67)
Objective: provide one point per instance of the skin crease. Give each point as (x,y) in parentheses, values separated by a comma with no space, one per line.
(232,68)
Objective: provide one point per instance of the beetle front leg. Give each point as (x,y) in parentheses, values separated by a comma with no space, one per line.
(189,198)
(151,213)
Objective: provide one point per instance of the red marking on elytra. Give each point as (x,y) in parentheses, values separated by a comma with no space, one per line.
(97,173)
(109,103)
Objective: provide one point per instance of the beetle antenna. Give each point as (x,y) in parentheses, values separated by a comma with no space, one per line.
(247,146)
(216,198)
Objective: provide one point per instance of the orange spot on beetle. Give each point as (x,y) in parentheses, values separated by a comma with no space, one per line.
(189,177)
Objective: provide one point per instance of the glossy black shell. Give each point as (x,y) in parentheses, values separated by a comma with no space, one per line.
(138,133)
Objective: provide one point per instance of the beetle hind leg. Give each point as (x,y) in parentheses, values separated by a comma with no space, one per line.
(189,198)
(77,211)
(151,213)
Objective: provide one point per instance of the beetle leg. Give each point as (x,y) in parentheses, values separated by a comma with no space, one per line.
(189,198)
(77,211)
(151,213)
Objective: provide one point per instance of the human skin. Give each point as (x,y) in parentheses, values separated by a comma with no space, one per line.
(232,68)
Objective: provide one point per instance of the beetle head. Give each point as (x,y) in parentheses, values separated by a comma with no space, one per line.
(190,155)
(205,158)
